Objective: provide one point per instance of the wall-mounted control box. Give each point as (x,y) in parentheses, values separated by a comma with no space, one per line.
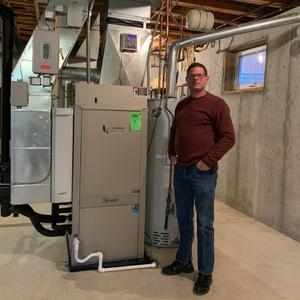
(45,54)
(75,15)
(128,42)
(19,95)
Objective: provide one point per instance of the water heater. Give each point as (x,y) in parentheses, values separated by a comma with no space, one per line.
(161,222)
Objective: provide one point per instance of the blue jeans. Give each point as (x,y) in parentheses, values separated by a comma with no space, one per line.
(193,185)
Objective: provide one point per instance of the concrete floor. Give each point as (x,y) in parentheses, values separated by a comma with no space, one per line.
(252,262)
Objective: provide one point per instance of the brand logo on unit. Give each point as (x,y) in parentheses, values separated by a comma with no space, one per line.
(107,200)
(114,129)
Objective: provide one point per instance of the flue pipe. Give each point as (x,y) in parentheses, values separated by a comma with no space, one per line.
(217,35)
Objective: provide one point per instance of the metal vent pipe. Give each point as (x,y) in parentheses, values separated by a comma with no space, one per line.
(72,73)
(217,35)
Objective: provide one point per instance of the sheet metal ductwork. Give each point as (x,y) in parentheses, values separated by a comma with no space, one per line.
(114,66)
(31,125)
(121,67)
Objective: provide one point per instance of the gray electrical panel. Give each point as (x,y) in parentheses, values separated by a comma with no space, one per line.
(19,93)
(110,136)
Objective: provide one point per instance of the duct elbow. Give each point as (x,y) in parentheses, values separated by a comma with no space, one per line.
(171,69)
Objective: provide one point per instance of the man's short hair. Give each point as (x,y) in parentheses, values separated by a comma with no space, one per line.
(193,65)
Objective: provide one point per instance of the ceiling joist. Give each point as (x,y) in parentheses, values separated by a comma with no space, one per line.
(226,13)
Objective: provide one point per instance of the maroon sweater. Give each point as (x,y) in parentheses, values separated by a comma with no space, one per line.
(202,130)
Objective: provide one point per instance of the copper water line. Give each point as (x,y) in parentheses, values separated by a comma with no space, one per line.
(159,58)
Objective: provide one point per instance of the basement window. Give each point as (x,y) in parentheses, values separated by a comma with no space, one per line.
(245,69)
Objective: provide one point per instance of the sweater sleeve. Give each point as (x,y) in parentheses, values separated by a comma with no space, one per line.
(225,136)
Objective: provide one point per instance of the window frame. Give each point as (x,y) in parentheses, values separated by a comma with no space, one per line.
(231,67)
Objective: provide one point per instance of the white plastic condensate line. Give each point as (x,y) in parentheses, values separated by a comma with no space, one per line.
(100,255)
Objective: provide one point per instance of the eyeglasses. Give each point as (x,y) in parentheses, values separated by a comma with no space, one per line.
(199,76)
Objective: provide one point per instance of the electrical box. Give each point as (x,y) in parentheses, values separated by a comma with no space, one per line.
(46,81)
(128,42)
(35,80)
(59,8)
(45,54)
(49,14)
(19,93)
(75,16)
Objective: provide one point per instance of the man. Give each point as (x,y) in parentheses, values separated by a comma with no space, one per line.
(201,133)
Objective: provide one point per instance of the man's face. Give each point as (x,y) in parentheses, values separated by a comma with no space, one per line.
(197,79)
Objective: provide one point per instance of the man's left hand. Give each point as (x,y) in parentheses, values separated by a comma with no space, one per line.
(201,165)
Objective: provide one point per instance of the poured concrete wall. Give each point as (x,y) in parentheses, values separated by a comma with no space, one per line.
(261,174)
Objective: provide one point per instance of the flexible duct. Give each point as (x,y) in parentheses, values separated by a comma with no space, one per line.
(217,35)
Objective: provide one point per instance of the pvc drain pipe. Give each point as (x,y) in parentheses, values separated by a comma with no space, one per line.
(100,256)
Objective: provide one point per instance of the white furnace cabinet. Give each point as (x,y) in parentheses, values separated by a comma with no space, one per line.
(109,173)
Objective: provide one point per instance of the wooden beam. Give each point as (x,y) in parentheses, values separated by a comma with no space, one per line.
(275,4)
(224,8)
(22,14)
(219,18)
(22,2)
(217,21)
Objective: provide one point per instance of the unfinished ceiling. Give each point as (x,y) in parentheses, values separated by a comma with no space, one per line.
(173,13)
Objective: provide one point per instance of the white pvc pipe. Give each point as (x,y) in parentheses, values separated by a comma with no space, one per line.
(76,251)
(102,270)
(100,256)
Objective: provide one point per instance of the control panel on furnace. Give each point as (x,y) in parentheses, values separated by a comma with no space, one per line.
(128,42)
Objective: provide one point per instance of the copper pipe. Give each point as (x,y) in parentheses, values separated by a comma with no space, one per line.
(158,12)
(167,26)
(174,19)
(163,79)
(159,57)
(182,21)
(150,51)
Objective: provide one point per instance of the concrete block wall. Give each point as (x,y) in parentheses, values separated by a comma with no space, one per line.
(261,174)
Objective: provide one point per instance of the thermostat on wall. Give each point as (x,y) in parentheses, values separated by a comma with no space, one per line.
(45,54)
(128,42)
